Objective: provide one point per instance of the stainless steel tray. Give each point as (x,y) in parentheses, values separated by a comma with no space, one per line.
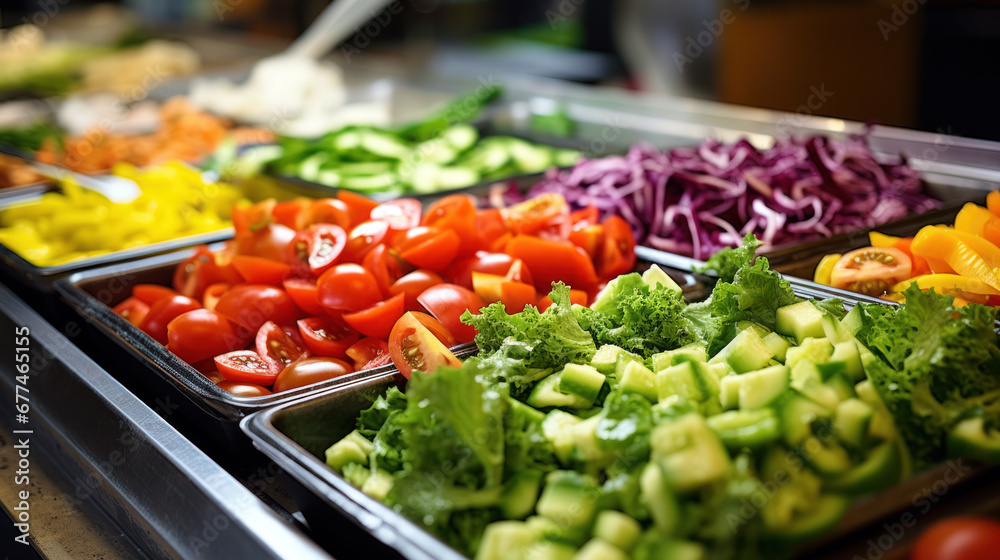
(154,485)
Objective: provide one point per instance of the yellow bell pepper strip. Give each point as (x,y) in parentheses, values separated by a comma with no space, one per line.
(882,240)
(946,253)
(968,289)
(989,251)
(993,203)
(977,220)
(76,223)
(825,268)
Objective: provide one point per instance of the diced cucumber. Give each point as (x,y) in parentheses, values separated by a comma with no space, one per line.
(367,168)
(659,498)
(528,157)
(812,350)
(378,484)
(799,320)
(550,550)
(557,429)
(682,380)
(880,469)
(797,415)
(969,439)
(597,549)
(729,391)
(461,137)
(761,329)
(518,408)
(520,494)
(689,452)
(356,473)
(381,182)
(385,145)
(689,353)
(828,459)
(851,421)
(457,177)
(746,352)
(486,158)
(549,530)
(746,428)
(566,158)
(353,448)
(853,322)
(655,546)
(618,529)
(586,447)
(807,380)
(826,512)
(778,345)
(847,354)
(569,499)
(507,540)
(840,384)
(581,380)
(654,277)
(606,358)
(762,388)
(546,393)
(624,359)
(637,378)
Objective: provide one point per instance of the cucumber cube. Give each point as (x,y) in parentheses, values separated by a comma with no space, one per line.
(581,380)
(761,388)
(778,345)
(606,358)
(637,378)
(507,540)
(682,380)
(617,528)
(689,353)
(547,394)
(851,421)
(354,448)
(746,352)
(812,350)
(659,498)
(800,320)
(557,428)
(597,549)
(847,353)
(729,391)
(520,494)
(746,428)
(569,499)
(654,277)
(689,452)
(378,485)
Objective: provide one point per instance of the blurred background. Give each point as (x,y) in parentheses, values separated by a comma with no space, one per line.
(926,64)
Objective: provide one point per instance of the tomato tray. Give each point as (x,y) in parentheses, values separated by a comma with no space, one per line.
(295,435)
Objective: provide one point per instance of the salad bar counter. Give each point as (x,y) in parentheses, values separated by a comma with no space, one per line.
(507,321)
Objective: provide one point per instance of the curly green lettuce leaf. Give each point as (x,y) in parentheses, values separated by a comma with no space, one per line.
(728,261)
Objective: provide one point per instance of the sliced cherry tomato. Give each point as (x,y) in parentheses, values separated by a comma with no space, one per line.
(431,249)
(275,346)
(200,334)
(491,263)
(413,347)
(551,261)
(246,366)
(384,266)
(254,217)
(290,213)
(133,310)
(162,312)
(491,228)
(959,538)
(589,238)
(401,214)
(308,371)
(244,389)
(201,270)
(213,375)
(304,293)
(578,297)
(363,238)
(456,212)
(269,242)
(152,293)
(871,270)
(252,305)
(436,327)
(516,295)
(257,270)
(348,287)
(519,272)
(326,337)
(618,250)
(545,212)
(315,249)
(584,217)
(377,320)
(447,303)
(213,294)
(369,353)
(359,207)
(205,366)
(328,211)
(487,286)
(414,284)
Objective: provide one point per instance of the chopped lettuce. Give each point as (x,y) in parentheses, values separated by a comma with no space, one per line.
(729,260)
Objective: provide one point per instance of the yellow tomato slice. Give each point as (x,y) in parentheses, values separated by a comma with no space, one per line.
(825,268)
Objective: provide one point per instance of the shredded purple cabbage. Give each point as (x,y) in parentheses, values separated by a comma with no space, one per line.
(694,201)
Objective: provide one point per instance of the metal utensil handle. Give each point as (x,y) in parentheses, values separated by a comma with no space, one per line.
(334,25)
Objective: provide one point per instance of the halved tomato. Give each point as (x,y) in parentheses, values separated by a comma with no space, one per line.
(384,266)
(401,214)
(200,334)
(243,389)
(304,293)
(132,309)
(519,272)
(201,270)
(326,337)
(253,217)
(414,348)
(588,216)
(359,207)
(516,295)
(325,211)
(871,270)
(430,248)
(548,211)
(589,238)
(252,305)
(308,371)
(436,327)
(618,249)
(152,293)
(491,263)
(257,270)
(377,320)
(578,297)
(414,284)
(315,249)
(363,238)
(456,212)
(447,303)
(162,312)
(347,287)
(491,230)
(551,261)
(246,366)
(369,353)
(276,347)
(290,213)
(269,242)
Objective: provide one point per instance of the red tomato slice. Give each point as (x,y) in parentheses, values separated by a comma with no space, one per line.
(252,305)
(369,353)
(519,272)
(447,303)
(487,286)
(152,293)
(363,238)
(213,294)
(314,250)
(276,347)
(201,270)
(456,212)
(257,270)
(414,348)
(254,217)
(377,320)
(309,371)
(959,538)
(200,334)
(551,261)
(326,337)
(290,213)
(490,227)
(491,263)
(433,250)
(516,295)
(133,310)
(304,293)
(269,242)
(328,211)
(384,266)
(414,284)
(359,207)
(347,287)
(579,297)
(243,389)
(584,217)
(590,239)
(246,366)
(548,211)
(436,327)
(162,312)
(401,214)
(618,250)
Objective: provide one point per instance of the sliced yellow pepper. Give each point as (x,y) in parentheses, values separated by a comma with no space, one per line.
(993,203)
(968,289)
(882,240)
(988,251)
(977,220)
(825,268)
(946,253)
